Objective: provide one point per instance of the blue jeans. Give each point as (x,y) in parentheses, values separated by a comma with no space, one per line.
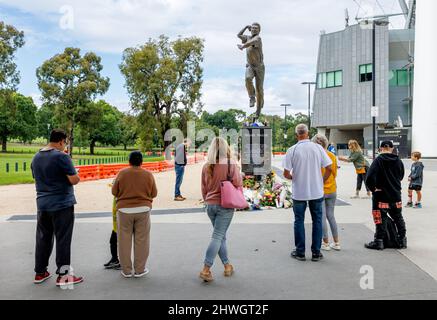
(180,170)
(221,220)
(299,208)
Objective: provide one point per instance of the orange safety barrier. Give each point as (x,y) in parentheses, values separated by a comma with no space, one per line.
(88,173)
(107,171)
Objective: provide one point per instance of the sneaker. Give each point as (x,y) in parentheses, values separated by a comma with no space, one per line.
(126,275)
(112,264)
(317,257)
(409,205)
(336,246)
(140,275)
(297,256)
(40,278)
(326,247)
(179,198)
(68,280)
(418,206)
(357,196)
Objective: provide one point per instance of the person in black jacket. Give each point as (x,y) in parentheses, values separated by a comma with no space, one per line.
(384,180)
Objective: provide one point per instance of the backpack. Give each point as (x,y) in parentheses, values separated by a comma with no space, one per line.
(391,239)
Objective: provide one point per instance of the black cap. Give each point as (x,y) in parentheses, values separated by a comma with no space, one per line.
(387,144)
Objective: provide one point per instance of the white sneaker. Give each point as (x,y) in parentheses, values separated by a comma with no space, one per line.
(126,275)
(336,246)
(325,247)
(139,275)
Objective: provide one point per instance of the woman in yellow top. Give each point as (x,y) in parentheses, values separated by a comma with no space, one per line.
(330,191)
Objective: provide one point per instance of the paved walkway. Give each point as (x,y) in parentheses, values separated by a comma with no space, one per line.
(260,253)
(260,243)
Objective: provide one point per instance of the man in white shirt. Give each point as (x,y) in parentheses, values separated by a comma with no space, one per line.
(303,165)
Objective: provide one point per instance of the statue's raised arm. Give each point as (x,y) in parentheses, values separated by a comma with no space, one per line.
(255,65)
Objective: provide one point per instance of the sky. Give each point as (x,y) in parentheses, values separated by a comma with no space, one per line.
(290,34)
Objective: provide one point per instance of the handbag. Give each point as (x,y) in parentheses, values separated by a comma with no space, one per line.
(231,196)
(361,171)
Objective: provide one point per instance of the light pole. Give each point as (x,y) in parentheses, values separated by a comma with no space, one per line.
(285,105)
(309,102)
(375,109)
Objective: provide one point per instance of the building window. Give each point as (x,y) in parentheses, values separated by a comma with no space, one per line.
(400,78)
(366,72)
(330,79)
(338,78)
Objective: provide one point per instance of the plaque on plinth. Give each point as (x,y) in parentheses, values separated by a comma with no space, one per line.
(256,150)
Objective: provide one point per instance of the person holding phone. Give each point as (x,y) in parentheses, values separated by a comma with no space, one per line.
(55,177)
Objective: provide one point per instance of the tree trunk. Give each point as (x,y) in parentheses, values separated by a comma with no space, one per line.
(92,146)
(71,139)
(4,143)
(125,146)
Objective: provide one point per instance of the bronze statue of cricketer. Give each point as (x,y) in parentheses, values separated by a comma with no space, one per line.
(255,65)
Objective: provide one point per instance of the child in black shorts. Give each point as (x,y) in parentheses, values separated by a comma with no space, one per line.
(416,181)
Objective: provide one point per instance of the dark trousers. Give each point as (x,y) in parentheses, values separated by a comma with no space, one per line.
(381,211)
(180,170)
(113,245)
(361,178)
(54,225)
(299,208)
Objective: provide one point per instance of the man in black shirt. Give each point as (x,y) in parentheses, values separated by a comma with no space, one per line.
(384,180)
(55,177)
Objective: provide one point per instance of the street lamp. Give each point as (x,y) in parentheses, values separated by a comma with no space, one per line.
(309,102)
(375,109)
(285,105)
(376,21)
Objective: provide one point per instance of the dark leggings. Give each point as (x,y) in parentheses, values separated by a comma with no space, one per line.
(360,179)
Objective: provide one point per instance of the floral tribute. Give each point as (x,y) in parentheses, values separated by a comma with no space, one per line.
(269,193)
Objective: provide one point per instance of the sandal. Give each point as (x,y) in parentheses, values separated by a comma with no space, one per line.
(228,271)
(207,277)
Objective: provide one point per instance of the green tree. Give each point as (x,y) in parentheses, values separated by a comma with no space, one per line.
(25,118)
(17,118)
(11,40)
(225,119)
(128,130)
(45,119)
(163,79)
(103,125)
(70,82)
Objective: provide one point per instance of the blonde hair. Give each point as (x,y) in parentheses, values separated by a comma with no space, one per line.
(219,152)
(354,146)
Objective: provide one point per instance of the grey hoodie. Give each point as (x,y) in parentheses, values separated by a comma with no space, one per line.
(417,174)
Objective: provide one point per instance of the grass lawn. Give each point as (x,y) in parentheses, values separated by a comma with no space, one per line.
(15,156)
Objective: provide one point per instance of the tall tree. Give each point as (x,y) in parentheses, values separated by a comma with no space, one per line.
(105,127)
(128,130)
(70,82)
(225,119)
(25,119)
(11,40)
(45,119)
(163,78)
(17,118)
